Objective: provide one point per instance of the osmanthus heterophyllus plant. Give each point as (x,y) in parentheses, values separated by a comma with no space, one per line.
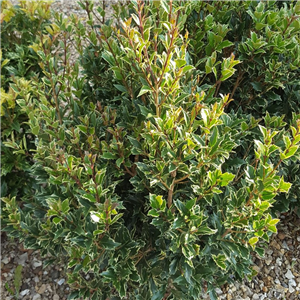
(264,37)
(19,24)
(142,195)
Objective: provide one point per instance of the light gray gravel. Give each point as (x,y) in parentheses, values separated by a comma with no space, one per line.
(278,273)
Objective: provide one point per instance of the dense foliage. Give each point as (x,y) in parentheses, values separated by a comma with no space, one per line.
(156,157)
(19,64)
(264,36)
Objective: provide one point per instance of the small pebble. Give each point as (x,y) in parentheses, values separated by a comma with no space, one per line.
(289,275)
(285,246)
(291,289)
(277,294)
(25,292)
(280,288)
(255,297)
(5,260)
(61,281)
(36,264)
(49,288)
(292,282)
(37,297)
(55,297)
(268,261)
(278,261)
(22,259)
(42,289)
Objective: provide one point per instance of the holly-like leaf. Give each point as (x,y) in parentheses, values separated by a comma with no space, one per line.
(108,243)
(220,260)
(145,89)
(205,230)
(253,241)
(226,178)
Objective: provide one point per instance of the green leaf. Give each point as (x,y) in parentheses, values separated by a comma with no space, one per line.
(90,197)
(35,130)
(110,274)
(265,195)
(121,288)
(223,45)
(180,62)
(297,7)
(179,222)
(56,220)
(188,272)
(136,19)
(157,202)
(274,221)
(18,278)
(253,241)
(153,213)
(226,74)
(60,232)
(65,206)
(187,68)
(108,155)
(189,204)
(145,89)
(226,178)
(108,243)
(284,187)
(82,128)
(145,111)
(205,230)
(289,152)
(119,161)
(241,222)
(120,88)
(181,207)
(220,260)
(214,137)
(3,191)
(260,251)
(264,205)
(9,289)
(158,295)
(99,178)
(156,3)
(135,143)
(108,57)
(257,86)
(272,228)
(73,295)
(86,261)
(98,231)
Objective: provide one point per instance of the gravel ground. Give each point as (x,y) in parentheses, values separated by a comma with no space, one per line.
(278,273)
